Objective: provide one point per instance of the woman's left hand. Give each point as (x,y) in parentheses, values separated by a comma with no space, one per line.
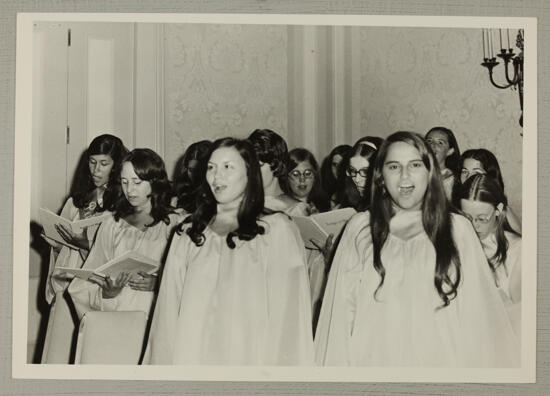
(143,282)
(80,240)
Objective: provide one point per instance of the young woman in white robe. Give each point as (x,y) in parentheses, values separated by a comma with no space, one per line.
(485,204)
(410,285)
(447,153)
(235,287)
(141,222)
(95,189)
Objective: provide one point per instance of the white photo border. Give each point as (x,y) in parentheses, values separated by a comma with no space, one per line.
(22,183)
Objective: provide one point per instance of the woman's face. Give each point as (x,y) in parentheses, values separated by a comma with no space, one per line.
(405,176)
(439,142)
(100,166)
(226,174)
(137,191)
(470,167)
(357,171)
(335,165)
(483,215)
(301,180)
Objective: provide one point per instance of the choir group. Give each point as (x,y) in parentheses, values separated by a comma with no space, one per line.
(427,273)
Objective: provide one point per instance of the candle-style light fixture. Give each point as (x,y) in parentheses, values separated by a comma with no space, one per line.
(514,81)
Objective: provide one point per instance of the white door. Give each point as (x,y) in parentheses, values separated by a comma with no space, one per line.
(100,86)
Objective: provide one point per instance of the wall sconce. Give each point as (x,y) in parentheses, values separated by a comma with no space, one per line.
(508,56)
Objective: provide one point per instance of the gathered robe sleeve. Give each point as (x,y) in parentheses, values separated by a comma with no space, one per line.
(290,336)
(87,296)
(160,347)
(485,334)
(337,316)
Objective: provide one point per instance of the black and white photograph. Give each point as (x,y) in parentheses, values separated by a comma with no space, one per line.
(275,197)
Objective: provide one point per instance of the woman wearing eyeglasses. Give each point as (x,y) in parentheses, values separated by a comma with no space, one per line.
(484,203)
(303,182)
(358,172)
(481,161)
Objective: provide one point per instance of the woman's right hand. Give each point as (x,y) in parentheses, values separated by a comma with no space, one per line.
(111,288)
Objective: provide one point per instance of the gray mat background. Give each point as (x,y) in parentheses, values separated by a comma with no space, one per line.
(519,8)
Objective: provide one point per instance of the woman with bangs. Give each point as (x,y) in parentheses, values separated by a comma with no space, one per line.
(484,203)
(357,167)
(303,181)
(141,221)
(409,284)
(234,290)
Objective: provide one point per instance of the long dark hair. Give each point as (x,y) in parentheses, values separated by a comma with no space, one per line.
(250,207)
(187,181)
(489,162)
(436,217)
(317,195)
(330,183)
(484,188)
(82,187)
(149,167)
(452,162)
(349,195)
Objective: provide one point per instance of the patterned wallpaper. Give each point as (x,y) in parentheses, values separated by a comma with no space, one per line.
(229,79)
(222,80)
(417,78)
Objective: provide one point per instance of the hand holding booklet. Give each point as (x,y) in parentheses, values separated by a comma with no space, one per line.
(319,226)
(49,220)
(131,262)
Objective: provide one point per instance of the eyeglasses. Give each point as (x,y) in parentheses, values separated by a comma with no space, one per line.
(297,175)
(481,219)
(352,172)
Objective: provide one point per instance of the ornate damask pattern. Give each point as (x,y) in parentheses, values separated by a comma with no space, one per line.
(222,80)
(417,78)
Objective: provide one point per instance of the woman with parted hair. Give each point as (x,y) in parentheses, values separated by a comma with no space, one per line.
(357,168)
(484,203)
(141,221)
(95,189)
(410,284)
(447,153)
(482,161)
(234,290)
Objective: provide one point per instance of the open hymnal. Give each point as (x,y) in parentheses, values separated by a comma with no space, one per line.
(319,226)
(130,261)
(49,219)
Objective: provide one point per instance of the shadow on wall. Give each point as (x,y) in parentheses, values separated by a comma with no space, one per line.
(42,248)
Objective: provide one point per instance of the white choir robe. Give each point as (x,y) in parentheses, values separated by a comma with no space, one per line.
(113,239)
(403,327)
(244,306)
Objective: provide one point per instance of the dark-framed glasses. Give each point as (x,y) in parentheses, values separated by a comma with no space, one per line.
(297,175)
(352,172)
